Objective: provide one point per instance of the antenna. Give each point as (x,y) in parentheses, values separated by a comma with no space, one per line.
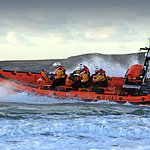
(148,40)
(147,59)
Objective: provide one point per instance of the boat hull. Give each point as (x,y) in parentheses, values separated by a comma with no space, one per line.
(26,82)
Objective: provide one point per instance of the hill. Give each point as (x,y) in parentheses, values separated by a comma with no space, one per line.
(113,64)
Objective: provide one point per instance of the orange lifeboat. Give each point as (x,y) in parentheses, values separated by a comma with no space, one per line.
(129,89)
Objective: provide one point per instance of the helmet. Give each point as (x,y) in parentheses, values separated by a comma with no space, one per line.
(96,68)
(80,67)
(56,64)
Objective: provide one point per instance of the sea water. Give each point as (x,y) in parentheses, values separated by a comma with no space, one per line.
(30,122)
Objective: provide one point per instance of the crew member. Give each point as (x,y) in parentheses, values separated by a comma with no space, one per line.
(84,75)
(99,78)
(46,78)
(72,78)
(59,76)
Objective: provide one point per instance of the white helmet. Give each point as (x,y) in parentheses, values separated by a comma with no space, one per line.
(96,68)
(80,67)
(56,64)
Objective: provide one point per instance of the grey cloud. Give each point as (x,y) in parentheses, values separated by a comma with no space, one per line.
(68,8)
(66,16)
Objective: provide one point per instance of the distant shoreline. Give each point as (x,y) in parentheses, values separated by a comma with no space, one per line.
(91,60)
(55,59)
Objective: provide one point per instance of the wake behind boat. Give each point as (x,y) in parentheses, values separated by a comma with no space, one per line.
(133,88)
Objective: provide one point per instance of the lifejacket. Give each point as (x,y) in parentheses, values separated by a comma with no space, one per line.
(72,78)
(84,74)
(68,81)
(99,76)
(63,74)
(101,72)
